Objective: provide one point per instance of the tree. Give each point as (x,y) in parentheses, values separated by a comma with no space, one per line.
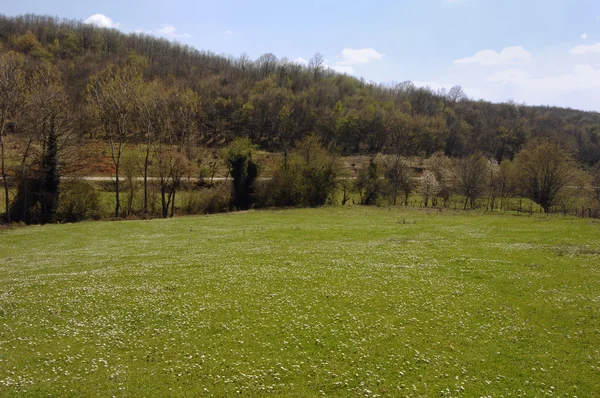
(472,177)
(48,125)
(368,184)
(428,186)
(151,104)
(51,176)
(306,176)
(457,94)
(244,170)
(596,186)
(504,181)
(442,168)
(315,65)
(12,99)
(110,98)
(544,169)
(399,176)
(53,127)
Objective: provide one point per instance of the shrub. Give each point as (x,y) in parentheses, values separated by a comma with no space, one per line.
(78,201)
(305,177)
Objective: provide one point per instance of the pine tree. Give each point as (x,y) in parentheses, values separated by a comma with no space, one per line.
(51,177)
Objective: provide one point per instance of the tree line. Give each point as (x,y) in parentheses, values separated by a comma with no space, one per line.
(65,82)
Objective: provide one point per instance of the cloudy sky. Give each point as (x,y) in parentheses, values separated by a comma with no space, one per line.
(530,51)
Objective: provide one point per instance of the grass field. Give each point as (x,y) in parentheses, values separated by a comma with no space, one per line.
(344,301)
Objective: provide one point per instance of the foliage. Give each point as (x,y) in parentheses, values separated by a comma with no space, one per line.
(243,170)
(429,186)
(472,174)
(399,176)
(79,201)
(545,168)
(305,177)
(275,102)
(368,184)
(442,168)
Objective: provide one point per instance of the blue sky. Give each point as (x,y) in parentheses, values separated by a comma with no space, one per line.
(530,51)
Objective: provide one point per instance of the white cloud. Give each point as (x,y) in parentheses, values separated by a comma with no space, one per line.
(101,21)
(341,69)
(514,76)
(363,56)
(300,61)
(577,87)
(582,77)
(228,33)
(350,57)
(170,32)
(509,56)
(584,36)
(585,49)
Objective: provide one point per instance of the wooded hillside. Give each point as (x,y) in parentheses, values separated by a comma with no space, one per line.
(276,102)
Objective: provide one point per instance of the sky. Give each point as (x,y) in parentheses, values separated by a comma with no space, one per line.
(536,52)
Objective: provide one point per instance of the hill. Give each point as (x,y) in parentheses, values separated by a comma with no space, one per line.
(275,101)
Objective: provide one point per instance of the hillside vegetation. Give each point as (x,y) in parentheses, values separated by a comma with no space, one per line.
(77,99)
(275,102)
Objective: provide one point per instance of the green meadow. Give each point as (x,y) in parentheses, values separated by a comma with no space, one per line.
(339,301)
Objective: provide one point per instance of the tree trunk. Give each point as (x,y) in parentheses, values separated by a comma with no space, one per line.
(146,160)
(117,190)
(4,177)
(173,203)
(165,205)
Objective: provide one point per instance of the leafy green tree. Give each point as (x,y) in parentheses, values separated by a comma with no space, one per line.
(51,177)
(306,176)
(244,171)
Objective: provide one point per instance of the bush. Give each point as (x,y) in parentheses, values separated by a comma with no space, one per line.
(305,177)
(208,200)
(78,201)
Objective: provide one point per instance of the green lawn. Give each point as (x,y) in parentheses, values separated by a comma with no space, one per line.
(344,301)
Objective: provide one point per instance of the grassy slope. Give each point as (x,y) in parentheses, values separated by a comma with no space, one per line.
(341,301)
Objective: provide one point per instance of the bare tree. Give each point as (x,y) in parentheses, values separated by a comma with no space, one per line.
(111,97)
(12,98)
(545,168)
(151,106)
(316,66)
(472,175)
(456,94)
(267,64)
(399,176)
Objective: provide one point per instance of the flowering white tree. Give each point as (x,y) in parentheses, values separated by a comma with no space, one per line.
(429,186)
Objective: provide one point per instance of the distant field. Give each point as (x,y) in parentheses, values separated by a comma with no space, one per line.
(344,301)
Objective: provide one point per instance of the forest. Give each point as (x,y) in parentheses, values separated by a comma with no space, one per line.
(65,84)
